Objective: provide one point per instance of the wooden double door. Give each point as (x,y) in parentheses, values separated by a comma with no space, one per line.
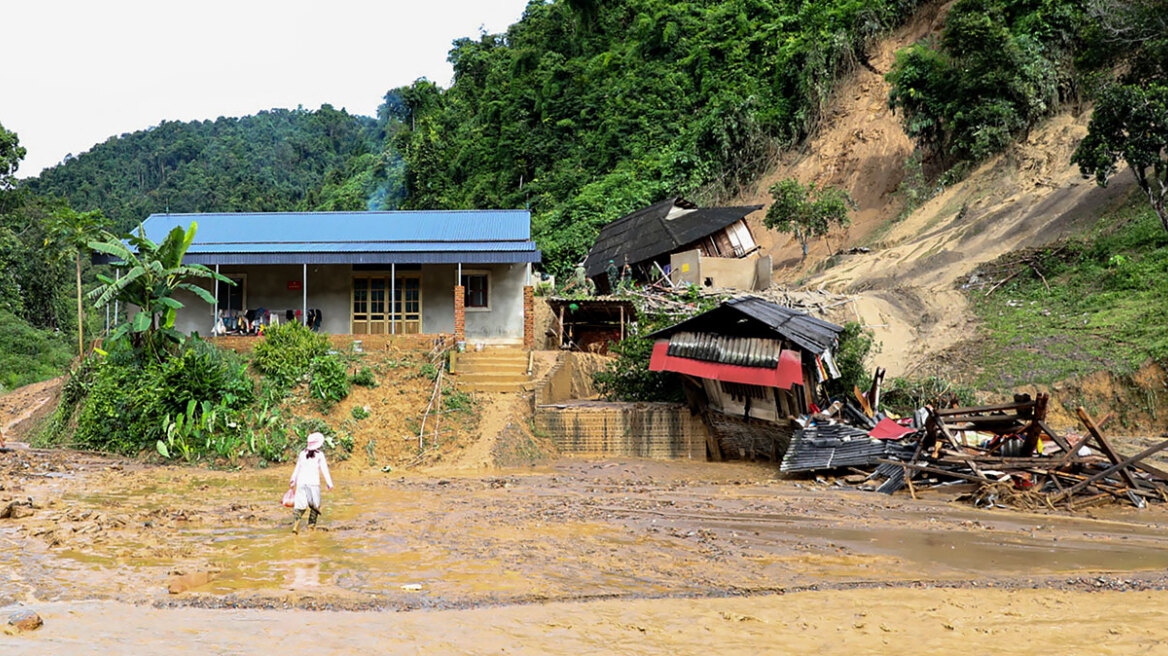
(375,314)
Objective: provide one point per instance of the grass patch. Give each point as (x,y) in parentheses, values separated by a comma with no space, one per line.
(1106,307)
(29,355)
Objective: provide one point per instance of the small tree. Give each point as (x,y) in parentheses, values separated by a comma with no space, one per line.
(1130,123)
(151,274)
(807,212)
(71,232)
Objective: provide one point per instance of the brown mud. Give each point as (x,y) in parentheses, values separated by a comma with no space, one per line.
(668,556)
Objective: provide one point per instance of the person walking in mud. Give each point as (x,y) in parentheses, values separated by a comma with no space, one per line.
(310,466)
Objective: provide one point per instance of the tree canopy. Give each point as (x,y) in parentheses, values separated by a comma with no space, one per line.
(276,160)
(807,212)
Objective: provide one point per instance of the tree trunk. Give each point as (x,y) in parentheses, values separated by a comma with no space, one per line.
(80,315)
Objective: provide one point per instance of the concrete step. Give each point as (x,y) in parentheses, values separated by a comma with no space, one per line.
(496,387)
(475,367)
(491,377)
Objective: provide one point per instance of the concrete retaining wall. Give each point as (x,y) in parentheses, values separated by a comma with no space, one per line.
(644,430)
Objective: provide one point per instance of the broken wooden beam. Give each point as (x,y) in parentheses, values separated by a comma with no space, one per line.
(1105,446)
(1120,467)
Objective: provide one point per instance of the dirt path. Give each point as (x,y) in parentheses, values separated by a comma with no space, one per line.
(26,403)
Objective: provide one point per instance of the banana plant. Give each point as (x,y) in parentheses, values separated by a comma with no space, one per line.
(150,275)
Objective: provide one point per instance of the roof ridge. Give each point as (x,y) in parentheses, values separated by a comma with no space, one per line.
(312,213)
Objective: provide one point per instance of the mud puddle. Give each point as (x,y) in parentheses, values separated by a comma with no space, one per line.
(574,530)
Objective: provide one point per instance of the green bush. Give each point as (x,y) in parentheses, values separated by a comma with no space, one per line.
(999,68)
(627,377)
(286,353)
(330,381)
(359,413)
(364,377)
(851,358)
(28,354)
(191,405)
(904,395)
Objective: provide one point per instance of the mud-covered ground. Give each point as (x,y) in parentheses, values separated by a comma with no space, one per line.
(495,557)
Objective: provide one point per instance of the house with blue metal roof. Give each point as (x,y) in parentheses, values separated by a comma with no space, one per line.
(465,273)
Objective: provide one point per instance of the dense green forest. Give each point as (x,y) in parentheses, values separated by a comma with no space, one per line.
(275,160)
(582,111)
(585,110)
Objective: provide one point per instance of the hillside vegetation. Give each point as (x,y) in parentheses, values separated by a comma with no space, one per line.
(275,160)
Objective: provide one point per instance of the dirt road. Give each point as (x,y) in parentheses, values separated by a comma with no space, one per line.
(664,554)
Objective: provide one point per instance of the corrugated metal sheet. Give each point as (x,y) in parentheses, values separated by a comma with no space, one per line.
(227,229)
(423,237)
(460,257)
(834,446)
(741,351)
(360,247)
(807,332)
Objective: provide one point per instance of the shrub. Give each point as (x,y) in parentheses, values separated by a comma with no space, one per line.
(330,382)
(359,413)
(287,351)
(904,395)
(364,378)
(627,377)
(851,358)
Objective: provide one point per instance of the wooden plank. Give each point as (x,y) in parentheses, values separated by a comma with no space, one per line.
(1119,466)
(1059,439)
(1105,446)
(999,407)
(1034,431)
(935,470)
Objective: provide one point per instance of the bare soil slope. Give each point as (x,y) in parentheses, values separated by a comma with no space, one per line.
(906,289)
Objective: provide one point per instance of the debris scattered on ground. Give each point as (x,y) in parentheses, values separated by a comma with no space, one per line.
(1006,451)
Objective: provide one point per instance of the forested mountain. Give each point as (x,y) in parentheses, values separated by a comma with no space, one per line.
(275,160)
(584,110)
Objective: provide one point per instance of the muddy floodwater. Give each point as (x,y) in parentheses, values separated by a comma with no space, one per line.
(577,557)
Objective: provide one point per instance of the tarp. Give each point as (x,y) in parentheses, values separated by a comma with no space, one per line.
(788,372)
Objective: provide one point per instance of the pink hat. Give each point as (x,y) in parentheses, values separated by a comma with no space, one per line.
(315,441)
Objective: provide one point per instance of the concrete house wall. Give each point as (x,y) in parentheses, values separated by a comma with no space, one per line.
(330,289)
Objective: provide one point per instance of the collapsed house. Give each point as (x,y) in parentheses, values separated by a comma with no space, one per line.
(678,241)
(751,368)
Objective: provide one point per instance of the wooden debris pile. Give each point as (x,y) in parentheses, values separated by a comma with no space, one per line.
(1007,451)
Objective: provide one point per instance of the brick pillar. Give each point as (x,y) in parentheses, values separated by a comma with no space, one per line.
(459,313)
(528,317)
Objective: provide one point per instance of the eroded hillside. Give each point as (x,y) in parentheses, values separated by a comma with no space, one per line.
(907,288)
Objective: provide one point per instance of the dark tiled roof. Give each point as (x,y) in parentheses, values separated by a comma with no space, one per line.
(650,232)
(750,316)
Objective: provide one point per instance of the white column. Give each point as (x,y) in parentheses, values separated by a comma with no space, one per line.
(304,294)
(215,308)
(392,299)
(528,283)
(458,276)
(117,276)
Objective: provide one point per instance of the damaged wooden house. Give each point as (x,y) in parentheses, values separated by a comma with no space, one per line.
(750,368)
(705,246)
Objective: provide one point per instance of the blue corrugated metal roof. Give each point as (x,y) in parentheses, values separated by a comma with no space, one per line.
(259,235)
(226,230)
